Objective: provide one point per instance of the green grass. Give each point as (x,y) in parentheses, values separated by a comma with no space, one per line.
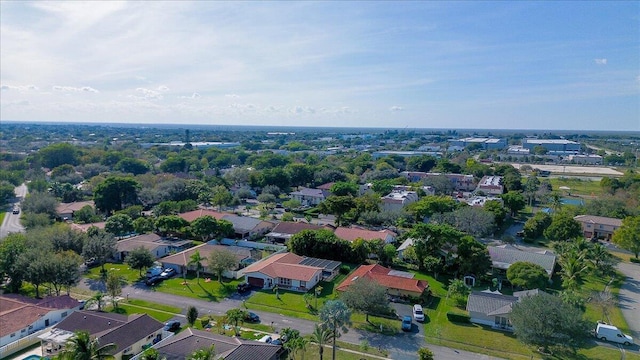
(156,306)
(2,215)
(129,275)
(127,309)
(578,186)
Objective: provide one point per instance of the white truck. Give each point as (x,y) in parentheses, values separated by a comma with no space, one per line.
(613,334)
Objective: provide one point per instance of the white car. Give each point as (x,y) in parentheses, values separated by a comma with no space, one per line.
(418,314)
(167,273)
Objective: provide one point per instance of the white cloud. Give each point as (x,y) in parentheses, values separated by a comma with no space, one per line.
(396,108)
(163,88)
(602,61)
(74,89)
(22,88)
(147,94)
(232,96)
(194,96)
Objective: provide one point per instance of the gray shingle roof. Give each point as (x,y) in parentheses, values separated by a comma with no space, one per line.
(503,256)
(490,303)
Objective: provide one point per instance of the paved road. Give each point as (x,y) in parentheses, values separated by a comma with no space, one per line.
(400,347)
(11,222)
(629,297)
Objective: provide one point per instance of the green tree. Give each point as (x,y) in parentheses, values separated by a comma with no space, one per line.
(236,316)
(119,225)
(170,224)
(86,215)
(563,227)
(499,212)
(132,166)
(220,196)
(65,270)
(574,268)
(337,317)
(203,354)
(115,193)
(366,296)
(534,227)
(40,203)
(192,315)
(432,204)
(544,320)
(430,238)
(321,335)
(221,261)
(458,292)
(628,235)
(514,201)
(151,354)
(58,154)
(101,246)
(11,248)
(143,225)
(196,260)
(82,347)
(432,264)
(35,264)
(473,257)
(139,258)
(114,287)
(343,188)
(527,275)
(97,299)
(338,206)
(205,227)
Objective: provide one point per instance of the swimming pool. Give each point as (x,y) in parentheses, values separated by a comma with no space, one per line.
(32,357)
(567,201)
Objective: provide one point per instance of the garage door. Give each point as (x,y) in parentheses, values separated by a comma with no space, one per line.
(257,282)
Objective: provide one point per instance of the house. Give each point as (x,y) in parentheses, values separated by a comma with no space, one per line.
(284,230)
(309,197)
(397,200)
(188,341)
(405,244)
(247,227)
(287,271)
(180,261)
(65,210)
(21,316)
(598,226)
(504,255)
(156,245)
(491,185)
(85,227)
(397,283)
(460,182)
(131,334)
(352,233)
(192,215)
(491,308)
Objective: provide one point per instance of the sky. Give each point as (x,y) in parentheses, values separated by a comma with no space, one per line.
(494,65)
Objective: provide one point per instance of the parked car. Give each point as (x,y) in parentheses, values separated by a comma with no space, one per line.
(153,280)
(266,339)
(167,273)
(154,271)
(172,325)
(244,287)
(91,262)
(418,314)
(15,211)
(406,323)
(277,342)
(252,317)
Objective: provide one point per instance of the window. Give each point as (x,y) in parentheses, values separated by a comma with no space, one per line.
(13,335)
(64,314)
(284,281)
(31,327)
(303,284)
(23,330)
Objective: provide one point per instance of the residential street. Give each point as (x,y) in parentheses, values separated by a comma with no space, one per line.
(629,297)
(400,347)
(11,222)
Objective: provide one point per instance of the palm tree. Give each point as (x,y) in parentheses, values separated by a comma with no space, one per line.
(556,201)
(82,347)
(337,316)
(203,354)
(151,354)
(235,316)
(321,335)
(196,260)
(293,345)
(97,299)
(573,267)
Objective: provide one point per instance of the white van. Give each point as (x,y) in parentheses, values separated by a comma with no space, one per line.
(613,334)
(418,313)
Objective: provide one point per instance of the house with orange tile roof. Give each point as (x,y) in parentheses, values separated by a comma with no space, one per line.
(397,283)
(21,316)
(192,215)
(352,233)
(288,271)
(284,230)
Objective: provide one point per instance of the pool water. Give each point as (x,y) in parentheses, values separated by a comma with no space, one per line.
(32,357)
(577,202)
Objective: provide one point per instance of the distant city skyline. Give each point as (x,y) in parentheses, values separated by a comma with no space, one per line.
(480,65)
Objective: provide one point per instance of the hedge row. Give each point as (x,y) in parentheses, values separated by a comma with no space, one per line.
(634,260)
(459,318)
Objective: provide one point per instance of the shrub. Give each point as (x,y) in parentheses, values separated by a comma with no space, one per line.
(204,322)
(344,269)
(459,318)
(634,260)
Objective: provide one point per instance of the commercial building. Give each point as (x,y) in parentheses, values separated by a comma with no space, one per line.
(553,146)
(491,185)
(487,143)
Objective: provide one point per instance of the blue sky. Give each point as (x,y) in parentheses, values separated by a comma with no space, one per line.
(496,65)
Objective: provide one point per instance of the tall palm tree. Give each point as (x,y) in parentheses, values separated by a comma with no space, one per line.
(97,299)
(321,335)
(203,354)
(151,354)
(574,266)
(196,260)
(82,347)
(235,316)
(337,316)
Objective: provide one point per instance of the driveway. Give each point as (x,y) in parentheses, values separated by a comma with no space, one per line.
(11,222)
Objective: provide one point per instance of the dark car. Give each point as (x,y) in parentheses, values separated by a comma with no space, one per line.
(153,280)
(244,287)
(252,317)
(15,211)
(277,342)
(172,325)
(406,323)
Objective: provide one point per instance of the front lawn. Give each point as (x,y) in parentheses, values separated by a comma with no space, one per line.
(126,309)
(577,186)
(130,275)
